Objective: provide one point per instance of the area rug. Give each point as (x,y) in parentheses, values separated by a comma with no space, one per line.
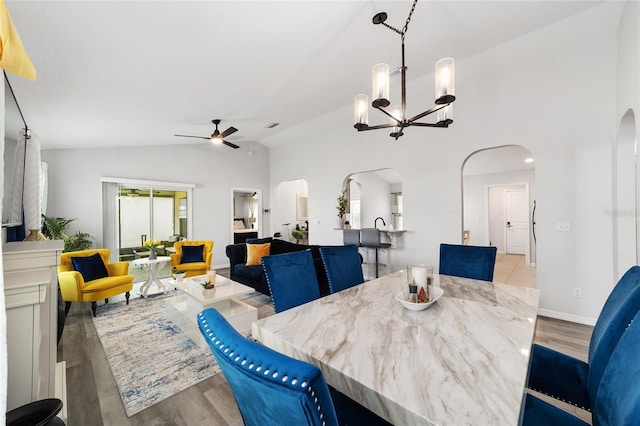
(261,302)
(150,357)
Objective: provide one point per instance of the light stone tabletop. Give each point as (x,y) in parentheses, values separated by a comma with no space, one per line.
(462,361)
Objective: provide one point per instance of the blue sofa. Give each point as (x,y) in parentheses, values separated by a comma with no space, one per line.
(254,276)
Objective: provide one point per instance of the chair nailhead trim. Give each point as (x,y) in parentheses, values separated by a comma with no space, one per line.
(220,346)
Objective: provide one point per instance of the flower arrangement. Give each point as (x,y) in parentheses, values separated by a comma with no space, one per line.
(152,244)
(342,204)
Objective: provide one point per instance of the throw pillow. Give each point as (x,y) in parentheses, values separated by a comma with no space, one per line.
(255,253)
(192,254)
(90,267)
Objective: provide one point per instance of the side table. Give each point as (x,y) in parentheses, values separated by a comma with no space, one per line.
(152,267)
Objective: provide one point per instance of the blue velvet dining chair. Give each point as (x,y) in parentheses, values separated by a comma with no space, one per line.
(292,279)
(271,388)
(617,395)
(475,262)
(575,381)
(343,267)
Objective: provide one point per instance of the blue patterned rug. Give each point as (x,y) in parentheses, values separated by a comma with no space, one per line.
(150,357)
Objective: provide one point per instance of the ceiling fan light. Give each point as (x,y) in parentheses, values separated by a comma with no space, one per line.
(216,138)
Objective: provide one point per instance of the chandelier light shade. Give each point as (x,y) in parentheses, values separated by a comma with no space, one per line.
(445,115)
(395,118)
(445,81)
(380,85)
(361,110)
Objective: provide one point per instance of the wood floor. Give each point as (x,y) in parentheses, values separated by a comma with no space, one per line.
(93,398)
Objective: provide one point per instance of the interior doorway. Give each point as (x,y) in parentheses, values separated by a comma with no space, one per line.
(246,220)
(290,220)
(508,218)
(517,221)
(498,187)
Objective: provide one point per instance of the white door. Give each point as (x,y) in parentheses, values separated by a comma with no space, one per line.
(517,221)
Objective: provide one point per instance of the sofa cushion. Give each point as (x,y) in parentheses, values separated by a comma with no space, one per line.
(281,246)
(90,267)
(259,240)
(251,272)
(191,254)
(255,253)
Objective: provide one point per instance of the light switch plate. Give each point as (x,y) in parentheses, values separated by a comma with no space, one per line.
(563,226)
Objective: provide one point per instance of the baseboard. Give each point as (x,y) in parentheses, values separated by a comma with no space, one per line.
(532,264)
(567,317)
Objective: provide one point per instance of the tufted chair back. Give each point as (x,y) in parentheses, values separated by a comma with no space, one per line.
(475,262)
(292,279)
(67,265)
(342,264)
(192,268)
(270,388)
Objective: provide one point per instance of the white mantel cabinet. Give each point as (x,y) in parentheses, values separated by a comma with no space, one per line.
(31,298)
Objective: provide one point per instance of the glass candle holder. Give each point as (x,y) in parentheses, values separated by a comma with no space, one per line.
(420,279)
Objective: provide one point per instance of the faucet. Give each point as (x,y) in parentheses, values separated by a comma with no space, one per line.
(375,222)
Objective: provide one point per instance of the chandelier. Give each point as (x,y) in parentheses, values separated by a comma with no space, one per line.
(445,92)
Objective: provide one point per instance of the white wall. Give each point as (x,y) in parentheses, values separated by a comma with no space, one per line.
(624,214)
(75,189)
(549,91)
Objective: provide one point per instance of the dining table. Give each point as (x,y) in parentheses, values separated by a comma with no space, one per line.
(464,360)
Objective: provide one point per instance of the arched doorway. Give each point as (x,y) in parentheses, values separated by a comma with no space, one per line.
(626,188)
(498,206)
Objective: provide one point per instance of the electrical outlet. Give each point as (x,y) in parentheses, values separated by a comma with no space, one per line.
(563,226)
(576,292)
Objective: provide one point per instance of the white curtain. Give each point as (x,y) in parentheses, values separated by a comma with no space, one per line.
(44,186)
(3,315)
(17,180)
(110,219)
(32,179)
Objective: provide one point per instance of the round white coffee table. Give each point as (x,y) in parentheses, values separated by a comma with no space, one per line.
(152,266)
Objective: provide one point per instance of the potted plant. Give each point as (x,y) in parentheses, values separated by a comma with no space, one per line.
(342,208)
(55,228)
(177,274)
(298,235)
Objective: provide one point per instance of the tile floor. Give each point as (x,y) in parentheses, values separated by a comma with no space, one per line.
(512,269)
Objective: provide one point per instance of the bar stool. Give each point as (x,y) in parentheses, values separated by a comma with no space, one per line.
(351,236)
(370,238)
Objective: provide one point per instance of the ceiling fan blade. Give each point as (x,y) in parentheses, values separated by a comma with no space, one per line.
(198,137)
(229,131)
(232,145)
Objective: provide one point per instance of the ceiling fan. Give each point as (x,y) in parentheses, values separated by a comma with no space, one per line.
(216,136)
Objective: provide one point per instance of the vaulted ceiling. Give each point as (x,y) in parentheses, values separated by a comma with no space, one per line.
(125,73)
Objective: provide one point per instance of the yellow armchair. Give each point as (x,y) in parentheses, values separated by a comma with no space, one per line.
(192,268)
(74,288)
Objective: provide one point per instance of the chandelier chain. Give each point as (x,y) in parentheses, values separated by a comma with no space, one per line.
(406,25)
